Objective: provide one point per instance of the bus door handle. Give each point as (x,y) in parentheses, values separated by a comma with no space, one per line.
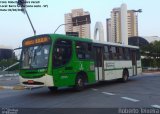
(69,68)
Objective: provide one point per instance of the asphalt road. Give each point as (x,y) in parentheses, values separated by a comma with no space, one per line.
(138,92)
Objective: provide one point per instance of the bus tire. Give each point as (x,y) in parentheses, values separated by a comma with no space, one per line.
(125,75)
(79,83)
(52,89)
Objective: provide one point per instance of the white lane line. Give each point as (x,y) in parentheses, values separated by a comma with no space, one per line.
(107,93)
(130,99)
(156,106)
(94,89)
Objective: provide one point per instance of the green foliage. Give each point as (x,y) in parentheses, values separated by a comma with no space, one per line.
(7,62)
(151,54)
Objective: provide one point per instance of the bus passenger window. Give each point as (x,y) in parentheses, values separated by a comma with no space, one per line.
(62,52)
(114,56)
(106,53)
(84,50)
(121,54)
(127,54)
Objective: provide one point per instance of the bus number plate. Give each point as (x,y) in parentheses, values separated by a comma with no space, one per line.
(30,81)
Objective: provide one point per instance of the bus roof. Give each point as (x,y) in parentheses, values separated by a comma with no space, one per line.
(83,39)
(115,44)
(94,41)
(70,37)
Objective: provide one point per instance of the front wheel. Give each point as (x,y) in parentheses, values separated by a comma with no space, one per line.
(79,83)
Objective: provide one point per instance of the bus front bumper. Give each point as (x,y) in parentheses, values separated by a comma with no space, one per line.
(46,80)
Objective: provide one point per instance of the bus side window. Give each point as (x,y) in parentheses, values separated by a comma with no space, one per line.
(114,56)
(80,50)
(127,54)
(84,50)
(106,53)
(117,53)
(121,54)
(62,52)
(110,53)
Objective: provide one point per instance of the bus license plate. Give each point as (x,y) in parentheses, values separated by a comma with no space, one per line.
(30,81)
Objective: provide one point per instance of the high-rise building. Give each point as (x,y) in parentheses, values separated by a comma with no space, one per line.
(132,24)
(115,25)
(83,30)
(109,30)
(6,52)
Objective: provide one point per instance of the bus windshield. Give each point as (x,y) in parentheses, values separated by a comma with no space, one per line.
(35,57)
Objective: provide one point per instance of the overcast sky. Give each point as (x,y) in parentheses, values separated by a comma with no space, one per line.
(14,26)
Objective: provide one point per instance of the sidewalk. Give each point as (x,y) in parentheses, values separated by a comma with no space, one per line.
(151,72)
(10,82)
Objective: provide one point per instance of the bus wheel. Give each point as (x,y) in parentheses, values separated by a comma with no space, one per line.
(52,89)
(80,83)
(125,76)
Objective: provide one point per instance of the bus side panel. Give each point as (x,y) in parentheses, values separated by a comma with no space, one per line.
(86,67)
(114,69)
(66,75)
(63,79)
(67,78)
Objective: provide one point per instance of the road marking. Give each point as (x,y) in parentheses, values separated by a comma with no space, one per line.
(107,93)
(130,99)
(94,89)
(156,106)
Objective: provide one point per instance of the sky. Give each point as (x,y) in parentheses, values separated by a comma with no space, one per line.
(14,26)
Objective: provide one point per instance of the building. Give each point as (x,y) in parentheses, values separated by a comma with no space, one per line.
(132,24)
(6,53)
(116,25)
(83,30)
(109,31)
(137,41)
(122,22)
(151,38)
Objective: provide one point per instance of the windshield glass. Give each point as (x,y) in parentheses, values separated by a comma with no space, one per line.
(35,57)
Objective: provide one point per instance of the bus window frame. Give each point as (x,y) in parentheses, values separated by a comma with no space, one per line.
(45,43)
(69,60)
(122,55)
(90,52)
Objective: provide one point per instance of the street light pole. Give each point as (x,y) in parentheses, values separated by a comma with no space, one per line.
(34,31)
(60,26)
(22,3)
(77,23)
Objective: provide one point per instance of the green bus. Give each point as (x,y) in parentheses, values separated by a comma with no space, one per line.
(55,60)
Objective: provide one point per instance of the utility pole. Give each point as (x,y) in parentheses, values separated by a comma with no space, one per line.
(22,3)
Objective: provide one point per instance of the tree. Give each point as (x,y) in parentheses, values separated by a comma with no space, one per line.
(7,62)
(151,54)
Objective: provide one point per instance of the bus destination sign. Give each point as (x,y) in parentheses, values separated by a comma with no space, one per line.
(36,41)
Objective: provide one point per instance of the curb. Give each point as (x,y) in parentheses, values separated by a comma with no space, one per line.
(18,87)
(150,72)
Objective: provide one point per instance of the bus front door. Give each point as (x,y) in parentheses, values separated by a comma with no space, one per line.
(98,63)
